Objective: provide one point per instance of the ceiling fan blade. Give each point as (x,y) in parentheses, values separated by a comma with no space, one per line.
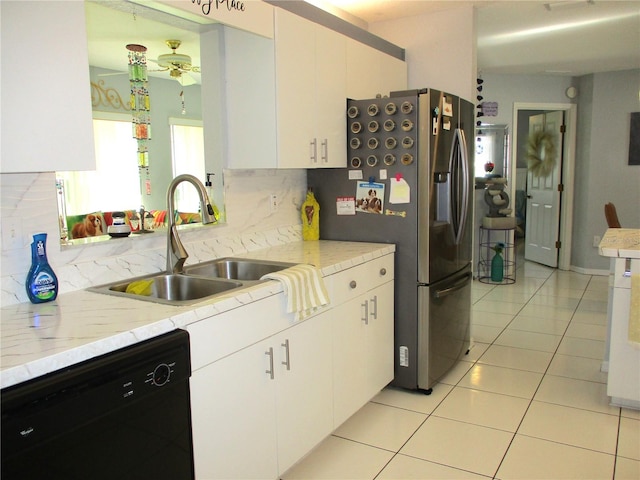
(111,74)
(186,80)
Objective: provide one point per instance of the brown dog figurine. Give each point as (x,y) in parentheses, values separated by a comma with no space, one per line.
(91,226)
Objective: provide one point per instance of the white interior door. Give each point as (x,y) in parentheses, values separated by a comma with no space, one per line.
(543,197)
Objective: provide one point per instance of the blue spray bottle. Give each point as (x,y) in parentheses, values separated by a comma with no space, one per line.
(42,283)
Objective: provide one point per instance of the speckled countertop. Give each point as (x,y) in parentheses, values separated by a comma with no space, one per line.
(621,242)
(38,339)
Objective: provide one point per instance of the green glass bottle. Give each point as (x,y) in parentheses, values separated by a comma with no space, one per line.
(497,268)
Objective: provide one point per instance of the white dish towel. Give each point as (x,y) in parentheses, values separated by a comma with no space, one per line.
(304,288)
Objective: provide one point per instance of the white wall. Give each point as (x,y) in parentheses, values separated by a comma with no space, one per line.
(602,170)
(602,173)
(440,49)
(509,89)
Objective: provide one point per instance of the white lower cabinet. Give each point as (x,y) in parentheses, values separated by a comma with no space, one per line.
(363,350)
(304,392)
(266,389)
(259,410)
(233,417)
(623,382)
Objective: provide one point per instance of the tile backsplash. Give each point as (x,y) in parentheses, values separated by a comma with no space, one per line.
(28,205)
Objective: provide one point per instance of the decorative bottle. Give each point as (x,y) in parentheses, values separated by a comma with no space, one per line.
(209,187)
(310,213)
(42,283)
(497,267)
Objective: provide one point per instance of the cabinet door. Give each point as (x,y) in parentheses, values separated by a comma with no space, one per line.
(46,121)
(393,73)
(295,59)
(331,101)
(361,71)
(304,388)
(371,72)
(379,339)
(362,350)
(234,417)
(251,99)
(349,354)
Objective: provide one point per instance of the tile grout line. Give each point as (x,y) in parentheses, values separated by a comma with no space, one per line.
(546,372)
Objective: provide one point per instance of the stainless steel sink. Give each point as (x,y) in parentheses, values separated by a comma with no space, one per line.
(236,268)
(171,289)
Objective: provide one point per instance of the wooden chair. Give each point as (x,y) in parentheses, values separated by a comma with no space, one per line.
(611,215)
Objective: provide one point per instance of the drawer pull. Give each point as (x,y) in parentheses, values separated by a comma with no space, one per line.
(353,284)
(383,271)
(365,318)
(269,353)
(287,361)
(374,301)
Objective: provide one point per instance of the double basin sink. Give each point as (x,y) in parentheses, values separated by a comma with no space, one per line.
(198,283)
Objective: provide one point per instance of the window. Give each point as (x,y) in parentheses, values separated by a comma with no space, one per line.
(187,145)
(484,153)
(115,183)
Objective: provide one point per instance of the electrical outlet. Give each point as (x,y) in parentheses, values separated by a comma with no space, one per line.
(596,240)
(273,202)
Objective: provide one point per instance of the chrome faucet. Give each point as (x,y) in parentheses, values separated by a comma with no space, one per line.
(176,253)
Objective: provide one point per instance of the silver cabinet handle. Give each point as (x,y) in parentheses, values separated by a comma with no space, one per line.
(287,361)
(374,313)
(365,318)
(324,150)
(353,284)
(383,271)
(269,353)
(314,150)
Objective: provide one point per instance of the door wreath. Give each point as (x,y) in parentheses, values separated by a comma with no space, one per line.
(541,153)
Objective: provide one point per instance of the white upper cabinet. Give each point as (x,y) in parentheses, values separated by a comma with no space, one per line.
(46,97)
(371,72)
(310,93)
(250,94)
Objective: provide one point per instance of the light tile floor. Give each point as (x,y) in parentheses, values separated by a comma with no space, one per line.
(528,402)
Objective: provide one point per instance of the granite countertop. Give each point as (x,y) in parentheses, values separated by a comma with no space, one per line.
(77,326)
(621,242)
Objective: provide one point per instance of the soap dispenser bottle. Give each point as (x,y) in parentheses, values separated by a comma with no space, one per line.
(209,186)
(42,283)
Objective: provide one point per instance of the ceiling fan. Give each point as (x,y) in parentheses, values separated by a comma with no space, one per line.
(177,64)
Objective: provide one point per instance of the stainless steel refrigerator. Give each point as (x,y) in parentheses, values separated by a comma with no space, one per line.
(409,182)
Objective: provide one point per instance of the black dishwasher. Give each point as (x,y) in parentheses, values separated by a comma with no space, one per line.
(123,416)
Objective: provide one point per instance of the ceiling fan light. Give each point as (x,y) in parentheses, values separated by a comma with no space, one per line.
(177,60)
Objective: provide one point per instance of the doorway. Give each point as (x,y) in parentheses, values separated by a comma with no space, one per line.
(567,172)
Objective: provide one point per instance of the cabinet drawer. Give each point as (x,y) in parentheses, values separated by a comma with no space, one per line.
(221,335)
(348,284)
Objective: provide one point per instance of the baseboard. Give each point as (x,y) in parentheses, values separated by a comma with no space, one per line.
(589,271)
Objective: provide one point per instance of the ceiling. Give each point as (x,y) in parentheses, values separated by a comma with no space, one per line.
(525,37)
(110,29)
(571,38)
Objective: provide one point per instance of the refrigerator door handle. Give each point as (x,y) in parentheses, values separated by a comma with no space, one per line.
(454,288)
(459,168)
